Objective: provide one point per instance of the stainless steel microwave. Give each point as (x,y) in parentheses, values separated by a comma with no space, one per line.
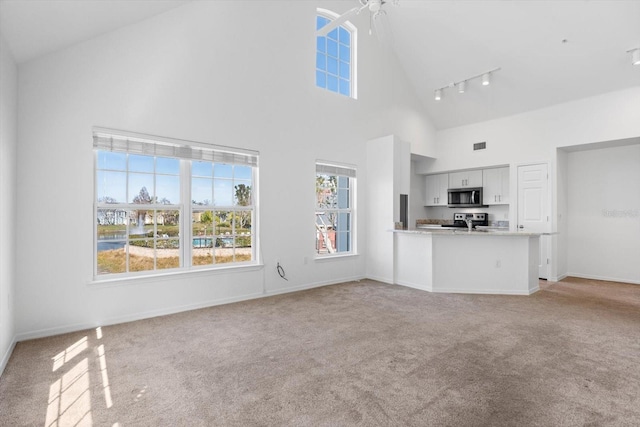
(465,197)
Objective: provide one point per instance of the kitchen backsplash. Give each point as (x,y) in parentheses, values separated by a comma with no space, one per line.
(447,221)
(434,221)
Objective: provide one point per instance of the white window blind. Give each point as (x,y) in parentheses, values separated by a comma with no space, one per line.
(175,148)
(332,169)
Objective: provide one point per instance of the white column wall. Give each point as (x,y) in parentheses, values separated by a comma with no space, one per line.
(388,161)
(237,73)
(8,143)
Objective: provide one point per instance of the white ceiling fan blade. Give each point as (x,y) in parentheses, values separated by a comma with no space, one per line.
(382,29)
(338,21)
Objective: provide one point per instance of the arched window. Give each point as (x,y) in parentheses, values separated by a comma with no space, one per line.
(336,56)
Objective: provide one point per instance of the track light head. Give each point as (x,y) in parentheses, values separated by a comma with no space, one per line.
(462,84)
(635,56)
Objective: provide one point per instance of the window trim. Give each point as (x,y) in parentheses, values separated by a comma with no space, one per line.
(188,151)
(349,171)
(353,65)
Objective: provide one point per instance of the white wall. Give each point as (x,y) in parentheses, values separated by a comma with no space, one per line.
(8,142)
(535,136)
(238,73)
(603,189)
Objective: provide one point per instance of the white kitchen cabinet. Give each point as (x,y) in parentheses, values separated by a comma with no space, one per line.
(437,186)
(464,179)
(495,186)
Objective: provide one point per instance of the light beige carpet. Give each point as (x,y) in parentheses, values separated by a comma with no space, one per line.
(351,354)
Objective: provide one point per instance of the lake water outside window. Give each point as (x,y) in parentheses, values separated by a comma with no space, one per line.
(147,219)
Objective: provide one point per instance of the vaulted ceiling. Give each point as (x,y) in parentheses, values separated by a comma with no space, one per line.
(548,52)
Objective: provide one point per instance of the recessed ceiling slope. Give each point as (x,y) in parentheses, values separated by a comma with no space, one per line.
(549,52)
(33,28)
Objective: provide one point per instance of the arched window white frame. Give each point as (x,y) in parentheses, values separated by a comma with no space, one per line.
(336,56)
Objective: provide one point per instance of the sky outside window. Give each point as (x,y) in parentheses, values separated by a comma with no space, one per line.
(333,59)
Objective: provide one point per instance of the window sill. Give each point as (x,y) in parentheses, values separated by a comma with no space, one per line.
(155,277)
(335,257)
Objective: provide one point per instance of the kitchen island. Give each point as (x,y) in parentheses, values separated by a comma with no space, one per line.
(462,261)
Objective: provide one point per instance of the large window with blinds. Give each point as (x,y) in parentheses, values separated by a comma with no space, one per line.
(169,205)
(335,210)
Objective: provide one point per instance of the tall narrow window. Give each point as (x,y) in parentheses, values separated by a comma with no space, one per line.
(335,193)
(335,56)
(165,204)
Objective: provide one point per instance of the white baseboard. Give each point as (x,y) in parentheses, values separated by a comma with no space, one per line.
(381,279)
(312,285)
(7,355)
(604,278)
(559,278)
(414,286)
(487,291)
(41,333)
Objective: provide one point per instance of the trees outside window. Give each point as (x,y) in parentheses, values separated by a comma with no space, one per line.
(141,204)
(335,188)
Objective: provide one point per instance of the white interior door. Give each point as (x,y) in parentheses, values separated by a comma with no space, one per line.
(533,207)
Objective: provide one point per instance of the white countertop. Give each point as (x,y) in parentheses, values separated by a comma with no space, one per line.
(465,232)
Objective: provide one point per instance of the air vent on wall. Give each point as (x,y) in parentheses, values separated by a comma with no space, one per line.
(479,146)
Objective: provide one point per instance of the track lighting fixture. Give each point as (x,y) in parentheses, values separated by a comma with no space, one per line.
(462,84)
(635,55)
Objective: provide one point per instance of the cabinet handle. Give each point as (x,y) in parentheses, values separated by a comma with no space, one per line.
(500,198)
(494,198)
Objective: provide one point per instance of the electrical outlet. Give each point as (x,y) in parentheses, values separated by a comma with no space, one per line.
(498,264)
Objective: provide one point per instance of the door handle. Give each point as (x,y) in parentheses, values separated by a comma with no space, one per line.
(521,226)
